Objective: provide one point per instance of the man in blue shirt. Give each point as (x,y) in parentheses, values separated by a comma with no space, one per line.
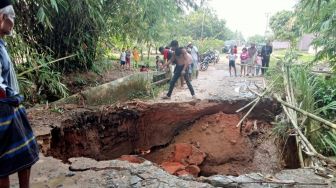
(18,147)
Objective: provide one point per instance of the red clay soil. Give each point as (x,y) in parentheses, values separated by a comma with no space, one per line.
(227,150)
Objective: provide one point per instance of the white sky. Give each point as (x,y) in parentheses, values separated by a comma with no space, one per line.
(248,16)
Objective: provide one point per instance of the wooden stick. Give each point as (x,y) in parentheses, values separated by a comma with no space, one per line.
(313,116)
(249,104)
(241,121)
(261,95)
(251,65)
(32,69)
(254,92)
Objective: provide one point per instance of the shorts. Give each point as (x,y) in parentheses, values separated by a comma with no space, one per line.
(122,62)
(232,64)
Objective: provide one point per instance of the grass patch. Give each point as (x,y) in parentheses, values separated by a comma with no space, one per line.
(302,56)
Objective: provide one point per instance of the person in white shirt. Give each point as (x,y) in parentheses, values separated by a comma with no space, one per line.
(123,58)
(195,58)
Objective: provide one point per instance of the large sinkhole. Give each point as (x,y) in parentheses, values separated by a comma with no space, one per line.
(201,136)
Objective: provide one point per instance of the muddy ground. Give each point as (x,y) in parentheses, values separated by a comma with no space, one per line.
(216,134)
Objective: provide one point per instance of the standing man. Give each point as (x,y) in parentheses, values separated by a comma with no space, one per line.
(195,59)
(182,59)
(18,147)
(252,54)
(266,52)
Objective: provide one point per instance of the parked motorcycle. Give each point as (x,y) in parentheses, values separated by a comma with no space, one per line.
(207,58)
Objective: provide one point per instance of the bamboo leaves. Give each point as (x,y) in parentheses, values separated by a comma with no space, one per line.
(54,5)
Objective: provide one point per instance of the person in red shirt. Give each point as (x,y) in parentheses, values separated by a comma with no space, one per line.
(235,49)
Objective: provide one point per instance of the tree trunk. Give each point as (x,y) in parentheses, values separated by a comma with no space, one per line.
(149,50)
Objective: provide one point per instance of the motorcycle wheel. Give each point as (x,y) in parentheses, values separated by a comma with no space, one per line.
(204,66)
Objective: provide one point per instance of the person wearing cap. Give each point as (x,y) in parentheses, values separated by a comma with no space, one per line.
(18,148)
(195,58)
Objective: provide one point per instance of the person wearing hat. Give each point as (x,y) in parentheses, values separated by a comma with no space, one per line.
(18,148)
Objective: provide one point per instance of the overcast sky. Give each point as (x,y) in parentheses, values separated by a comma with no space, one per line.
(249,16)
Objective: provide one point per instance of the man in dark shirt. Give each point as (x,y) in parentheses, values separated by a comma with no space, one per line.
(18,147)
(266,52)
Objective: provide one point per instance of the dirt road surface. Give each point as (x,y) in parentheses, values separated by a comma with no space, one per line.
(216,84)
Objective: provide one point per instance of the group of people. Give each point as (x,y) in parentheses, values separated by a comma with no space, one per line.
(184,61)
(251,60)
(125,58)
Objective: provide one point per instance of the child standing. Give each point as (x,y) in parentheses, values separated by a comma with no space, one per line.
(123,58)
(136,57)
(232,61)
(258,63)
(243,61)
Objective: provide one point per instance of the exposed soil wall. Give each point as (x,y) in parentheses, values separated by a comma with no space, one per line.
(114,131)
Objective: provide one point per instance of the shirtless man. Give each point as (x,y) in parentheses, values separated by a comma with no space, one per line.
(183,59)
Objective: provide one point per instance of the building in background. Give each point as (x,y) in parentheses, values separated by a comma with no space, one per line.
(278,45)
(305,42)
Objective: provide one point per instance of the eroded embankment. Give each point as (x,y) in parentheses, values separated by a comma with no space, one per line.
(208,125)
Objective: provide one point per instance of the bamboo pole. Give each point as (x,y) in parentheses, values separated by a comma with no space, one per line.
(291,99)
(245,116)
(313,116)
(311,150)
(32,69)
(255,101)
(249,104)
(259,96)
(299,151)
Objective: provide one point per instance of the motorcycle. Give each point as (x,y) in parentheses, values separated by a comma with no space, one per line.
(207,58)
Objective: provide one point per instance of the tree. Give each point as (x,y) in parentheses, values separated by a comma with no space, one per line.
(318,17)
(256,39)
(203,23)
(285,27)
(51,29)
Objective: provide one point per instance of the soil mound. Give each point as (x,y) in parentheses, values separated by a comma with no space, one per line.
(227,150)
